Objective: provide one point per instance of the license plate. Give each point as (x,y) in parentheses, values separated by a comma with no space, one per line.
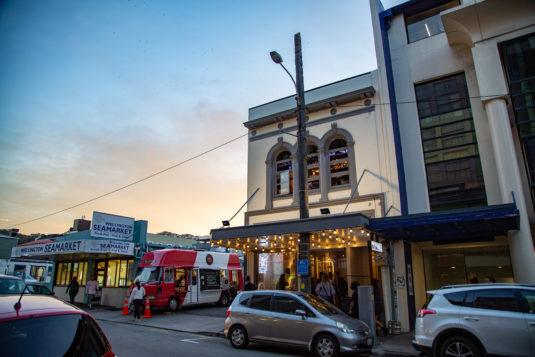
(369,341)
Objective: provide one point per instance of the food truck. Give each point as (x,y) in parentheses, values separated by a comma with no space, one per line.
(173,278)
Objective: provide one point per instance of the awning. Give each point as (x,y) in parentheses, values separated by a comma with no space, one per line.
(307,225)
(460,225)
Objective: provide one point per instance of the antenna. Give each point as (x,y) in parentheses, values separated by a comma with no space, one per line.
(17,304)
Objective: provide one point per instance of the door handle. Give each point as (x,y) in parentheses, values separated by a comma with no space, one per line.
(471,318)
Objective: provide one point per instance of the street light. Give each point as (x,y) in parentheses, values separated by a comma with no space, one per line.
(304,244)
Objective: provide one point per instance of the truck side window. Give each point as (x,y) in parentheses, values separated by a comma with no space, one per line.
(180,279)
(168,275)
(194,277)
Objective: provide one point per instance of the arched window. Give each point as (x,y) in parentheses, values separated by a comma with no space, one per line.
(339,163)
(313,168)
(284,174)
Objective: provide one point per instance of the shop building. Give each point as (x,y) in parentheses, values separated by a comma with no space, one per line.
(430,156)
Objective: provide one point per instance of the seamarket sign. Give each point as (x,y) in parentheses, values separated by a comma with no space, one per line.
(75,246)
(110,226)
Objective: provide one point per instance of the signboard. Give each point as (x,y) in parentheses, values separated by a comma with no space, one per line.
(376,246)
(111,226)
(75,246)
(302,267)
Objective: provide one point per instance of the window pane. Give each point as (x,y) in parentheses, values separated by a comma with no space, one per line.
(454,173)
(286,305)
(111,273)
(528,299)
(426,23)
(123,272)
(260,302)
(495,299)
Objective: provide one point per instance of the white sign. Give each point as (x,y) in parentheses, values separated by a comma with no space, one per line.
(111,226)
(376,246)
(75,246)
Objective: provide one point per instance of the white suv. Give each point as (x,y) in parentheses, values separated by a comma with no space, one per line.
(477,320)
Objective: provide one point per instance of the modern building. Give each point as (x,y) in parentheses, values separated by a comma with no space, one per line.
(430,156)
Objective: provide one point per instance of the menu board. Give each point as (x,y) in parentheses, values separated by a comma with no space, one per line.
(210,280)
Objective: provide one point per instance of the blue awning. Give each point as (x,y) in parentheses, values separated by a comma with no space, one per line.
(460,225)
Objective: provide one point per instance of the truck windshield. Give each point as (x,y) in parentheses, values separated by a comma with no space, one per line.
(147,274)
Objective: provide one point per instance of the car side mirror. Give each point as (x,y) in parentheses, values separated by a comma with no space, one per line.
(301,313)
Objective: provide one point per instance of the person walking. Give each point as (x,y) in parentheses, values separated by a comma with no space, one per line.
(72,289)
(248,285)
(136,297)
(354,307)
(325,289)
(340,289)
(282,283)
(91,289)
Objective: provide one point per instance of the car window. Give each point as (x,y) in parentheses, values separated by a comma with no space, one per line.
(456,298)
(286,305)
(322,306)
(61,335)
(244,299)
(260,302)
(528,300)
(494,299)
(11,286)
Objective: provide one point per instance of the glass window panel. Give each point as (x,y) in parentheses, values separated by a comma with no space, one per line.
(446,118)
(81,273)
(340,181)
(260,302)
(111,273)
(123,272)
(337,143)
(426,23)
(131,272)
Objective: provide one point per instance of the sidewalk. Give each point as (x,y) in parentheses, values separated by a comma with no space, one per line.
(196,321)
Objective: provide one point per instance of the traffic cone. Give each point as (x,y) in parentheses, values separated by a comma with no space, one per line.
(125,306)
(147,314)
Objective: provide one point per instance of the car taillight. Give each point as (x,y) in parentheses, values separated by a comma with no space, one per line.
(228,313)
(423,312)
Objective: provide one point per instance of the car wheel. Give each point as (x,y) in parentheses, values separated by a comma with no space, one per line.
(326,346)
(173,304)
(224,300)
(238,337)
(459,346)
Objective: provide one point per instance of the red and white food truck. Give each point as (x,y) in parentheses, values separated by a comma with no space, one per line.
(174,278)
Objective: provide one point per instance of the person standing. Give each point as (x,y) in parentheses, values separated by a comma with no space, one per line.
(325,289)
(248,285)
(340,288)
(136,297)
(354,307)
(282,283)
(72,288)
(91,289)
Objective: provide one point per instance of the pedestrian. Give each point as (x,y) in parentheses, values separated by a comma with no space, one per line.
(91,289)
(282,283)
(354,307)
(248,285)
(340,288)
(325,289)
(378,302)
(136,297)
(72,288)
(489,279)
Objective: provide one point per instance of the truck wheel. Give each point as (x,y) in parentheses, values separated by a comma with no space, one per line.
(224,300)
(459,346)
(173,304)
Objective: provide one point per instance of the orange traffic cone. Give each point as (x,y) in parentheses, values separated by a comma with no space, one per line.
(147,310)
(125,306)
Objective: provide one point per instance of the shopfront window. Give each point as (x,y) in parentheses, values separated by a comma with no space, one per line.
(272,266)
(117,272)
(469,265)
(67,270)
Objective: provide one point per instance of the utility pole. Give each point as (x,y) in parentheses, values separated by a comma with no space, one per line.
(304,238)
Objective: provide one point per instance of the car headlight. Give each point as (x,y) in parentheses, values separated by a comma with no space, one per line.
(344,328)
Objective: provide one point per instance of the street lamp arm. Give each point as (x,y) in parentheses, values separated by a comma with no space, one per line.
(291,77)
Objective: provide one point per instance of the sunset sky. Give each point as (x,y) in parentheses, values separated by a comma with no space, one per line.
(95,95)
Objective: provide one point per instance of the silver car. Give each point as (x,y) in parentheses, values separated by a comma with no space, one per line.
(295,319)
(477,320)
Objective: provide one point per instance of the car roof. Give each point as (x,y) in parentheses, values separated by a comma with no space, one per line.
(454,288)
(4,276)
(34,306)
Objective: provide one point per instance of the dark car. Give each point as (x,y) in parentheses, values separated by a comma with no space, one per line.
(46,326)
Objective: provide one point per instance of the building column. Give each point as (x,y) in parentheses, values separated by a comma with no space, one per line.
(520,242)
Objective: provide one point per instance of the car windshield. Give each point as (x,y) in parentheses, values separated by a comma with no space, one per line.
(11,286)
(322,306)
(147,274)
(61,335)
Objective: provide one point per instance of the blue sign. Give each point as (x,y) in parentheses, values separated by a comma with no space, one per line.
(302,267)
